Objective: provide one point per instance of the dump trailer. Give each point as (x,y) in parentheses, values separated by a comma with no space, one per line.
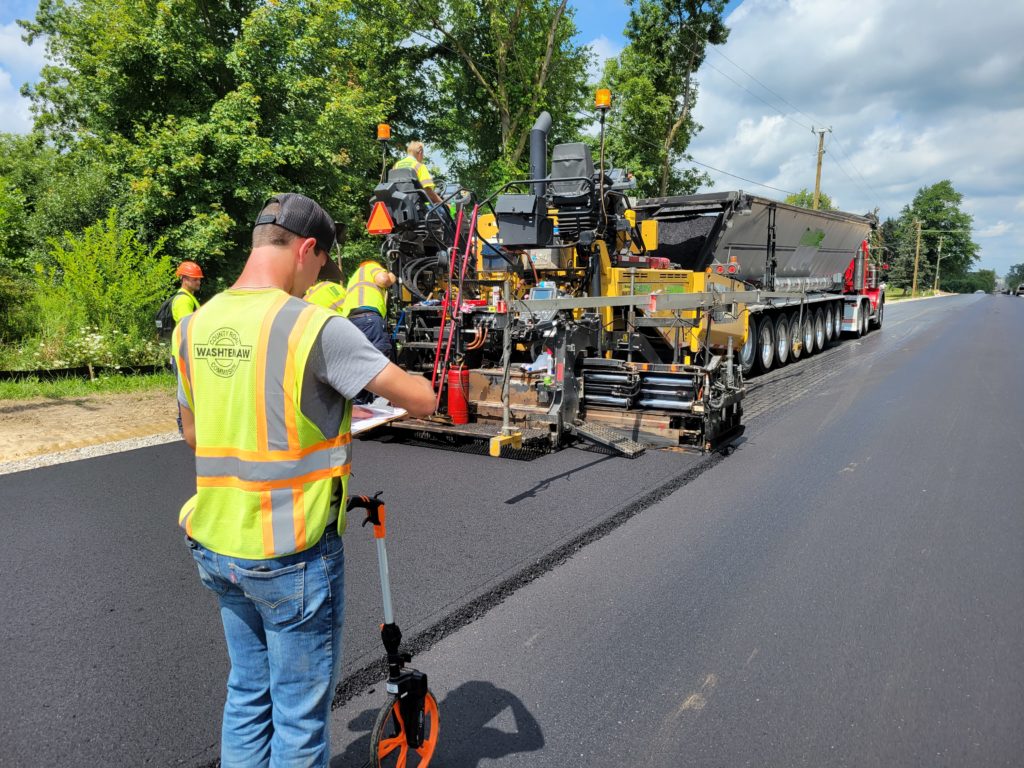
(819,261)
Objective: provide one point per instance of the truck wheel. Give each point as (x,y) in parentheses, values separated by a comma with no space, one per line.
(830,324)
(747,357)
(765,346)
(796,337)
(866,317)
(782,342)
(819,330)
(838,332)
(809,348)
(881,310)
(861,326)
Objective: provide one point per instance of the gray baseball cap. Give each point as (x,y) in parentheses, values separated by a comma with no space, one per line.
(303,217)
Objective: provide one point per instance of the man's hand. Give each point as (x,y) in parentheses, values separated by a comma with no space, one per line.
(405,390)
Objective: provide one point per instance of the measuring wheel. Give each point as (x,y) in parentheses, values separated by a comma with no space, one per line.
(390,743)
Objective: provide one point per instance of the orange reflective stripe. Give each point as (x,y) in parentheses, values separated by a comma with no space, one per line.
(270,485)
(222,452)
(267,521)
(289,377)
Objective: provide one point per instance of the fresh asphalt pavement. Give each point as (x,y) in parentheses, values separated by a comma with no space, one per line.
(874,618)
(846,590)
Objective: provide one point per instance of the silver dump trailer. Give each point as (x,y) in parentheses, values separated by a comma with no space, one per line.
(818,259)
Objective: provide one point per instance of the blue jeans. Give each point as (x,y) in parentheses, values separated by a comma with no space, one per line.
(282,622)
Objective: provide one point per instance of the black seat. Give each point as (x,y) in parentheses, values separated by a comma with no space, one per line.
(569,161)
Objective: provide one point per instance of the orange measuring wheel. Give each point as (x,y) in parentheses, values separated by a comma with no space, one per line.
(389,741)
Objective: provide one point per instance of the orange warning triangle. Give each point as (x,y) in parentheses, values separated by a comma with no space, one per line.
(380,222)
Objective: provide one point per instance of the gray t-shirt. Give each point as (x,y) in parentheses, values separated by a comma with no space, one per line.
(341,362)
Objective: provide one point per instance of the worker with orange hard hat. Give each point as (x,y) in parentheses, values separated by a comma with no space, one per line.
(185,301)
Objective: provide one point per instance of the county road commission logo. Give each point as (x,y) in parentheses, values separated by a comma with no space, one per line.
(224,351)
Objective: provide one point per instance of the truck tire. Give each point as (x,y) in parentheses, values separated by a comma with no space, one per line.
(877,322)
(830,324)
(796,337)
(782,340)
(765,347)
(866,317)
(819,330)
(838,332)
(747,356)
(808,333)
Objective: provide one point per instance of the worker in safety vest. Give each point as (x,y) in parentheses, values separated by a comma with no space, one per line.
(185,301)
(414,159)
(265,381)
(328,291)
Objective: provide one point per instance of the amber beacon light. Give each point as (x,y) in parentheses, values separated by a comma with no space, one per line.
(383,132)
(603,99)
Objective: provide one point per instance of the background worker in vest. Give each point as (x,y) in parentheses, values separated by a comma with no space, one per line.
(185,301)
(366,302)
(414,159)
(329,289)
(266,381)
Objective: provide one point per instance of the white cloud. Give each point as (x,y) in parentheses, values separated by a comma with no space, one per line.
(603,49)
(915,92)
(19,63)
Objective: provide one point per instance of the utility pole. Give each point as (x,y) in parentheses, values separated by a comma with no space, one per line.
(821,154)
(938,261)
(917,257)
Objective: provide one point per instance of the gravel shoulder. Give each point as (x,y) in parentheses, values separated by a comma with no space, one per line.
(30,429)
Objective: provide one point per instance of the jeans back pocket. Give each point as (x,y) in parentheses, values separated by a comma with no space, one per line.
(277,594)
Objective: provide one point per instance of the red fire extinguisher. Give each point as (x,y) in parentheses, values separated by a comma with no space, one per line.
(458,394)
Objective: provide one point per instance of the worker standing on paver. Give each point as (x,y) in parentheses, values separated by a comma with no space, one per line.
(414,160)
(329,289)
(265,381)
(185,301)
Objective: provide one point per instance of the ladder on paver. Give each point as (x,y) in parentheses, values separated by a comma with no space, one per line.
(609,438)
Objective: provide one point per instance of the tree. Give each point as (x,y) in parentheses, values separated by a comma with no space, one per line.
(938,209)
(653,84)
(1015,276)
(205,109)
(805,199)
(494,67)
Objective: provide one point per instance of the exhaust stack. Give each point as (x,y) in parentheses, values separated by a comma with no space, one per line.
(539,152)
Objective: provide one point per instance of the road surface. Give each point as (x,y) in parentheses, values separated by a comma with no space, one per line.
(114,653)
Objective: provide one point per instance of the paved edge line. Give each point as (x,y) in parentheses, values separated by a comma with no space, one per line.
(86,451)
(476,608)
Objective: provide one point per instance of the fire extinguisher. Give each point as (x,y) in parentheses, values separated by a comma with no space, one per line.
(458,394)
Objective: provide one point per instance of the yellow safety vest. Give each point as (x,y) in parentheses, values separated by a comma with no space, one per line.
(265,474)
(422,173)
(362,291)
(327,294)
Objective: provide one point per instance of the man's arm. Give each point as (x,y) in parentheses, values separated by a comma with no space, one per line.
(405,390)
(432,194)
(188,426)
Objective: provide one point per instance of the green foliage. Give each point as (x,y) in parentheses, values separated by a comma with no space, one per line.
(805,199)
(654,90)
(982,279)
(938,209)
(104,279)
(495,66)
(1015,276)
(29,388)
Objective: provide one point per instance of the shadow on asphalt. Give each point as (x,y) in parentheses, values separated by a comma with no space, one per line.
(479,721)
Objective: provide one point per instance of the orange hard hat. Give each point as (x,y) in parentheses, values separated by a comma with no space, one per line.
(189,269)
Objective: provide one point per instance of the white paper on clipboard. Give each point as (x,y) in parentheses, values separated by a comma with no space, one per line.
(367,417)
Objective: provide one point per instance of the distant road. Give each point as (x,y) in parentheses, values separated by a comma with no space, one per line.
(114,653)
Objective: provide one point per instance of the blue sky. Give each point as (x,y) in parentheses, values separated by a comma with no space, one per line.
(914,91)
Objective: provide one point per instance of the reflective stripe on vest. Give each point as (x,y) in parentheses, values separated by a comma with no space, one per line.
(265,474)
(362,291)
(327,294)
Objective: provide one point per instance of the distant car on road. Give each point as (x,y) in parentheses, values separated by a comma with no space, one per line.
(1020,289)
(980,291)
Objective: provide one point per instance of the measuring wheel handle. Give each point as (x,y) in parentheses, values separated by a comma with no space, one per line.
(376,512)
